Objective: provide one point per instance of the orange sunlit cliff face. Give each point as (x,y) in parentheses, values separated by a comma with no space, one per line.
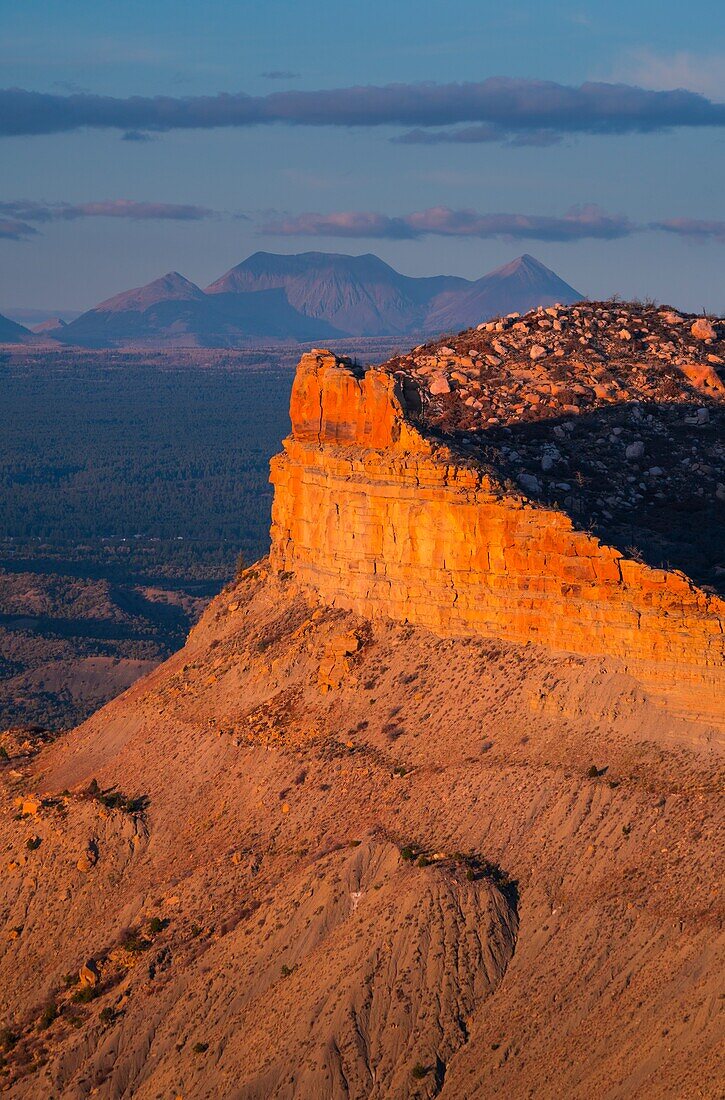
(385,517)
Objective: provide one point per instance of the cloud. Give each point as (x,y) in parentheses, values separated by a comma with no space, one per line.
(112,208)
(513,107)
(579,223)
(703,73)
(694,229)
(11,230)
(477,135)
(359,224)
(137,135)
(280,74)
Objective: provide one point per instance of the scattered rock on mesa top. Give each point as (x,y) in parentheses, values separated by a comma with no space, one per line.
(530,483)
(440,384)
(635,450)
(702,329)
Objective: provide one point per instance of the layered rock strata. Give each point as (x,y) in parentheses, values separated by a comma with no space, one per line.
(385,518)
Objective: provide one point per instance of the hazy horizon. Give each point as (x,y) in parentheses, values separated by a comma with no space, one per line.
(142,141)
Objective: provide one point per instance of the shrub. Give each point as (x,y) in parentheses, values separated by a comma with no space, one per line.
(419,1071)
(287,970)
(84,995)
(33,843)
(407,853)
(107,1015)
(423,861)
(593,772)
(200,1048)
(132,940)
(156,925)
(4,754)
(48,1015)
(8,1038)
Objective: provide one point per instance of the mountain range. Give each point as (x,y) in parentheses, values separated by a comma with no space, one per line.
(306,297)
(13,333)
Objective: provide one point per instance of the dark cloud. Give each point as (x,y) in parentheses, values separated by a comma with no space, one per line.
(693,228)
(12,230)
(112,208)
(280,74)
(511,107)
(579,223)
(137,135)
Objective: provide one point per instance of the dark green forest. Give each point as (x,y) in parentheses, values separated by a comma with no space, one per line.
(155,468)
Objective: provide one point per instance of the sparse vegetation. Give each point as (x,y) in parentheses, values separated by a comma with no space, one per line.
(85,995)
(48,1014)
(133,940)
(419,1071)
(200,1048)
(8,1038)
(115,800)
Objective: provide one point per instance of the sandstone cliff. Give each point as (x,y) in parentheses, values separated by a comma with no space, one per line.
(381,512)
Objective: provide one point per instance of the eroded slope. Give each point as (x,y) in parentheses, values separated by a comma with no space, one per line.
(257,909)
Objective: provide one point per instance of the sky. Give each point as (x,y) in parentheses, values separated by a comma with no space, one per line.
(138,138)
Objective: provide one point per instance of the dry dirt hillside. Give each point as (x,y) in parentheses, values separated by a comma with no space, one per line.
(324,853)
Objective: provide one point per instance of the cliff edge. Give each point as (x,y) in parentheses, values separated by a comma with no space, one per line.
(487,486)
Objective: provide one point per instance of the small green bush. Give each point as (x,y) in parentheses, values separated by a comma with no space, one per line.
(200,1048)
(419,1071)
(156,925)
(407,853)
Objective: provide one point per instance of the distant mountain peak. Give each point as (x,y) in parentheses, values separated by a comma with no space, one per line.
(13,333)
(311,296)
(169,287)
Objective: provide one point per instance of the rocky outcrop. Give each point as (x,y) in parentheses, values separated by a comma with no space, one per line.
(386,519)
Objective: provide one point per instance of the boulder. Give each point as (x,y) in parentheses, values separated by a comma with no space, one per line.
(440,384)
(702,329)
(89,974)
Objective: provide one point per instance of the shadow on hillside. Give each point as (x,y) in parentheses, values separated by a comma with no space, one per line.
(660,508)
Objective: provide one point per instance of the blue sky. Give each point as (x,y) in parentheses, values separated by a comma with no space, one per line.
(653,201)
